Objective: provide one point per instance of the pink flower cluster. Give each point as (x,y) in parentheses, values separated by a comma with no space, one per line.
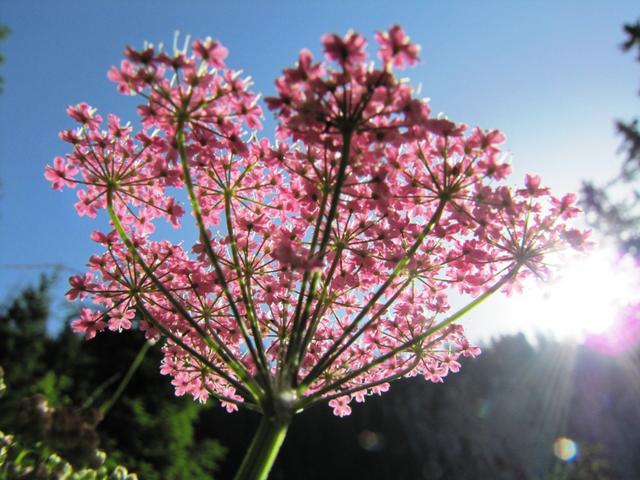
(324,261)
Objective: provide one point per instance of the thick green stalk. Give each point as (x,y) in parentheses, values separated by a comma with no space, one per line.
(264,449)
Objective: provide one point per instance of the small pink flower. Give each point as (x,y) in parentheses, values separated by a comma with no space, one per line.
(380,389)
(144,225)
(86,204)
(435,373)
(577,238)
(61,174)
(89,323)
(108,239)
(181,382)
(341,406)
(445,127)
(532,186)
(565,207)
(211,52)
(117,130)
(306,70)
(466,349)
(70,136)
(286,254)
(80,286)
(347,51)
(395,47)
(120,319)
(85,115)
(174,212)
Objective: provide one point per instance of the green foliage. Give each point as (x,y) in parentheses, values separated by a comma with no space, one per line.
(497,418)
(3,386)
(148,429)
(43,432)
(23,324)
(165,444)
(36,462)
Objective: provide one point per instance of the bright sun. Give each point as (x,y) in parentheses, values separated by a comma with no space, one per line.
(583,299)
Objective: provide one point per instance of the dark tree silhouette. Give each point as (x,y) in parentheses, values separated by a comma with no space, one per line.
(4,33)
(496,419)
(149,429)
(614,208)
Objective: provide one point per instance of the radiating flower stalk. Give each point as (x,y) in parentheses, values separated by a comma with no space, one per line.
(323,261)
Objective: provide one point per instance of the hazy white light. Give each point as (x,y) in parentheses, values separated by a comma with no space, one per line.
(585,297)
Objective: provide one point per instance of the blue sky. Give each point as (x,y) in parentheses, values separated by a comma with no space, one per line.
(549,74)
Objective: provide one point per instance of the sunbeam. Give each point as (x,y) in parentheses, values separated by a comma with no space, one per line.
(585,299)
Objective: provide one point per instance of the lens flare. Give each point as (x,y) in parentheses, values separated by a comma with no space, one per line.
(623,335)
(371,441)
(565,449)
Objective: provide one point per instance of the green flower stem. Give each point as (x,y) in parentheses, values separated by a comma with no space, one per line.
(264,449)
(320,306)
(414,341)
(204,235)
(215,343)
(106,406)
(300,317)
(260,357)
(241,389)
(337,348)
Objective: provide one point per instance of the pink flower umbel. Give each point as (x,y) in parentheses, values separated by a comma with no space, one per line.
(323,263)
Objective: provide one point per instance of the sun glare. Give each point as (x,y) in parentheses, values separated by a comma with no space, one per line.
(585,298)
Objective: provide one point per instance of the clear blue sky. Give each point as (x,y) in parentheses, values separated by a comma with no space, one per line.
(550,74)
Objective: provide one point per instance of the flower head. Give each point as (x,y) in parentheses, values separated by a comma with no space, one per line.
(321,265)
